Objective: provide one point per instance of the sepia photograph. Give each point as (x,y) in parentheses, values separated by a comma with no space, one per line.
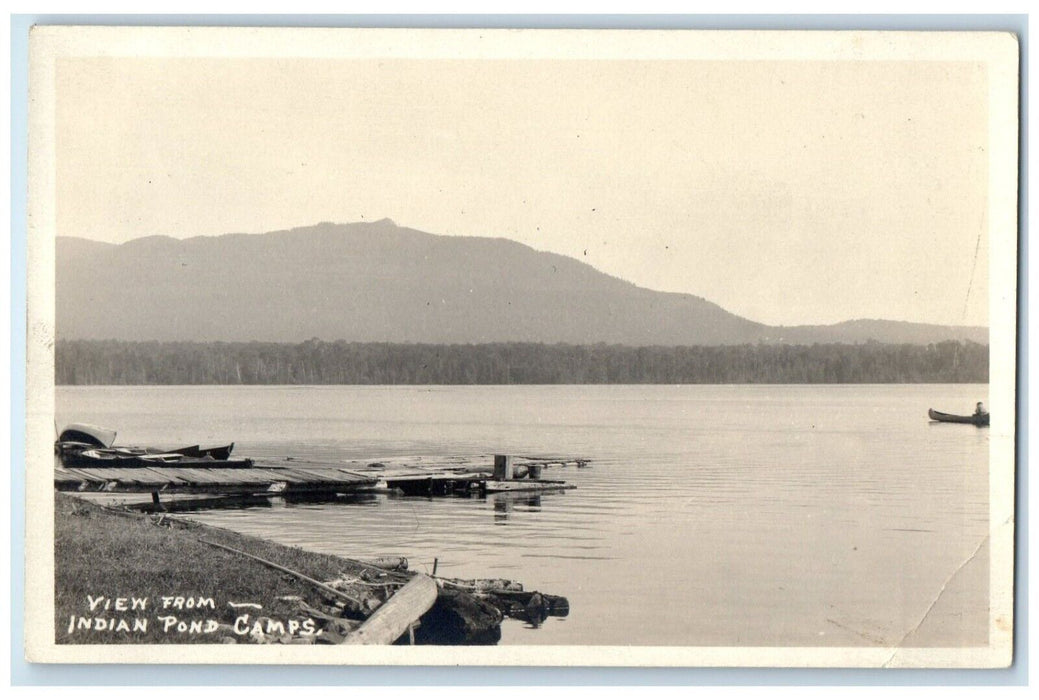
(521,347)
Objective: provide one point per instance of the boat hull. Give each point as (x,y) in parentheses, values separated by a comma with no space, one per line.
(93,435)
(938,416)
(220,453)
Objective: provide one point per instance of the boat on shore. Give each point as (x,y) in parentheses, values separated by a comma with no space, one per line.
(83,445)
(978,419)
(117,457)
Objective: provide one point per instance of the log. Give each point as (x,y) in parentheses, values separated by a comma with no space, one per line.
(397,614)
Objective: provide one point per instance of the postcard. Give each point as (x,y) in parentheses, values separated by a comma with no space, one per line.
(521,347)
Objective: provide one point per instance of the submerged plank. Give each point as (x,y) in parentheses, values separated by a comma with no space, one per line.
(525,485)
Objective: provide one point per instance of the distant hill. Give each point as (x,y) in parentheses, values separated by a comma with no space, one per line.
(378,282)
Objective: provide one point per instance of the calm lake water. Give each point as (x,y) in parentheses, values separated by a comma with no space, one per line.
(710,515)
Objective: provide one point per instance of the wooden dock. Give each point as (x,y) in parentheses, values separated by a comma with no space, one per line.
(412,476)
(252,480)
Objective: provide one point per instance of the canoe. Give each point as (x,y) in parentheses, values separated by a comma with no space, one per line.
(976,419)
(119,457)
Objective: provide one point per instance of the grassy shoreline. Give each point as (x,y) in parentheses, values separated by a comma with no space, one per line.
(123,577)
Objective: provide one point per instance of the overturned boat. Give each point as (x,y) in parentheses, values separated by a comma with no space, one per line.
(85,445)
(85,434)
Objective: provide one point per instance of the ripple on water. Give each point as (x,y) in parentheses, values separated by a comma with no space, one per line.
(710,515)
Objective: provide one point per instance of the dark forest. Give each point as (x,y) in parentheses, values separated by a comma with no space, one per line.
(319,362)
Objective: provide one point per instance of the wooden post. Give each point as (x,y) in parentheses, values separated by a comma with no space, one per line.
(502,467)
(389,622)
(155,498)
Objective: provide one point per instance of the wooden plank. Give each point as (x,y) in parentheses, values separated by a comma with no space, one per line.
(292,475)
(143,480)
(357,475)
(335,475)
(265,475)
(157,475)
(98,474)
(401,611)
(196,476)
(436,478)
(239,476)
(147,484)
(525,485)
(391,474)
(332,477)
(313,475)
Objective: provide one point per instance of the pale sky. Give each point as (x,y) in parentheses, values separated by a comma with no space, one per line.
(787,192)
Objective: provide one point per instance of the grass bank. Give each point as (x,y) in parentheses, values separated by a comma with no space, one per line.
(136,579)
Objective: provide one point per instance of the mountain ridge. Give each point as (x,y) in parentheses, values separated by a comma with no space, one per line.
(379,282)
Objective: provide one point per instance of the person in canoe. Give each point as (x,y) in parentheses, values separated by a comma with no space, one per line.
(979,410)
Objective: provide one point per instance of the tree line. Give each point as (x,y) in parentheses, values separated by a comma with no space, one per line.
(340,362)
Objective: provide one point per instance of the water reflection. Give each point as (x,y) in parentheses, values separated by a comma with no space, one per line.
(538,609)
(505,503)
